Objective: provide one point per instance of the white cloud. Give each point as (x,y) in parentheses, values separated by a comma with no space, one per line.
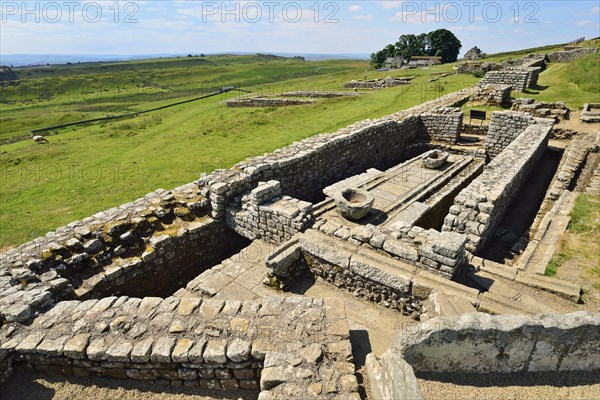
(368,17)
(595,10)
(354,8)
(388,5)
(585,22)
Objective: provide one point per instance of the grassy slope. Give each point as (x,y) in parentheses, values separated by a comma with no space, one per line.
(579,251)
(76,175)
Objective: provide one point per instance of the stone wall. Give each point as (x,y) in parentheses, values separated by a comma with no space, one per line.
(305,168)
(148,247)
(474,129)
(479,207)
(428,249)
(492,95)
(505,126)
(442,125)
(371,274)
(265,214)
(266,102)
(213,344)
(591,112)
(517,78)
(558,110)
(571,55)
(481,343)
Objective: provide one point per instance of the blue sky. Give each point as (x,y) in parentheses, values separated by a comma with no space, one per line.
(161,26)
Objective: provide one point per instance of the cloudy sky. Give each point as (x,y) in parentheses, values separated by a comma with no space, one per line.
(194,26)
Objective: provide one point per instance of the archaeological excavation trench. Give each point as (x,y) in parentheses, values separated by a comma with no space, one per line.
(191,287)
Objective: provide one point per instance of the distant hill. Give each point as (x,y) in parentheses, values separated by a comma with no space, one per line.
(22,60)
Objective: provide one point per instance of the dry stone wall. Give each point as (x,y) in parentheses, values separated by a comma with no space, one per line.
(133,249)
(571,55)
(479,207)
(213,344)
(267,102)
(442,125)
(558,110)
(518,79)
(266,214)
(505,126)
(492,95)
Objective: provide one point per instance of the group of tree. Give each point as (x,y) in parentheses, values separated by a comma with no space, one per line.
(441,43)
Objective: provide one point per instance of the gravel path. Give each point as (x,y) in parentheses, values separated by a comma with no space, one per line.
(24,386)
(573,385)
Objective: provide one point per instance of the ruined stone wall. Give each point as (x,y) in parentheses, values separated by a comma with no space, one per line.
(479,207)
(429,250)
(493,95)
(148,247)
(442,125)
(305,168)
(213,344)
(369,273)
(517,78)
(481,343)
(571,55)
(558,110)
(266,102)
(475,129)
(505,126)
(265,214)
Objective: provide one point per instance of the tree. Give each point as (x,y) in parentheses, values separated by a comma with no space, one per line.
(440,43)
(444,44)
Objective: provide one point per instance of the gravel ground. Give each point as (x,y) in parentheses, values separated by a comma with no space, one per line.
(548,386)
(25,386)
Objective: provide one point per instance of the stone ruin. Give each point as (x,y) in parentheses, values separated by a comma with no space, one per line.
(189,287)
(378,83)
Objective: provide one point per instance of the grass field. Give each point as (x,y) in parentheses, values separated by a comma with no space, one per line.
(87,169)
(579,249)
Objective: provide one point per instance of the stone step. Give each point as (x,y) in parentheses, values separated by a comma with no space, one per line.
(450,306)
(495,303)
(565,289)
(425,283)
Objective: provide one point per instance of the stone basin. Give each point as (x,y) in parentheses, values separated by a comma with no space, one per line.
(354,203)
(435,159)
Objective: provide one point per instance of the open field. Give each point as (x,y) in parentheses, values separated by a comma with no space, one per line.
(87,169)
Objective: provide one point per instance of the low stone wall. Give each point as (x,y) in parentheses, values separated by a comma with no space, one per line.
(477,66)
(571,55)
(479,207)
(558,110)
(265,214)
(505,126)
(213,344)
(266,102)
(371,274)
(492,95)
(480,343)
(440,253)
(473,129)
(517,78)
(150,246)
(442,125)
(318,94)
(591,112)
(305,168)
